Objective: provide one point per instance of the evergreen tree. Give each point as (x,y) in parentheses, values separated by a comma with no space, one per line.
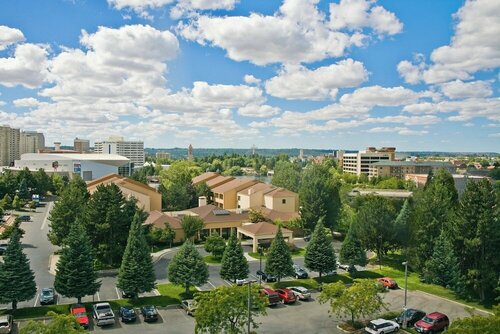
(6,202)
(320,255)
(234,264)
(442,268)
(216,245)
(476,233)
(23,190)
(136,273)
(319,197)
(352,251)
(17,280)
(75,274)
(16,203)
(401,236)
(187,267)
(69,206)
(279,260)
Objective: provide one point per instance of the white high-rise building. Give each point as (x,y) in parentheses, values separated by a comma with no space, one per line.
(359,163)
(31,142)
(9,145)
(133,150)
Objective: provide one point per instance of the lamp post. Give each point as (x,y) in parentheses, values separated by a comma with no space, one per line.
(406,292)
(249,305)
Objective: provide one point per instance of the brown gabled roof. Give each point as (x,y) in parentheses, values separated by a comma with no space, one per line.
(280,192)
(210,214)
(218,180)
(119,180)
(262,228)
(256,188)
(158,220)
(234,184)
(274,215)
(204,177)
(103,179)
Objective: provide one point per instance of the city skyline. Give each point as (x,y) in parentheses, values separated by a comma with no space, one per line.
(417,75)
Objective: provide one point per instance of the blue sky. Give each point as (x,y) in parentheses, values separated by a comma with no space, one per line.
(414,74)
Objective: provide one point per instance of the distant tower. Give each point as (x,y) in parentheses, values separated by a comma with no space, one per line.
(190,152)
(253,149)
(301,154)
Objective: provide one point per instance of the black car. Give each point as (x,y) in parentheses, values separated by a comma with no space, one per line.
(299,272)
(149,313)
(412,316)
(47,296)
(128,295)
(265,277)
(3,249)
(127,314)
(24,218)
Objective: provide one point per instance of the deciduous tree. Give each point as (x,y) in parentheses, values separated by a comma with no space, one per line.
(75,273)
(187,267)
(136,273)
(59,323)
(216,245)
(17,280)
(225,310)
(234,264)
(320,255)
(279,260)
(287,175)
(191,225)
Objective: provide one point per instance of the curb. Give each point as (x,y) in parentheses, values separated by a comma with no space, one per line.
(458,303)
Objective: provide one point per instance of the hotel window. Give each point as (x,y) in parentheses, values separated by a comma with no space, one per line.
(283,201)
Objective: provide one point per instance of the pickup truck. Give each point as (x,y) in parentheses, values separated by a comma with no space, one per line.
(80,313)
(103,314)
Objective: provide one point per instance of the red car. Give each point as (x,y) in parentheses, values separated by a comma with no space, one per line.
(286,295)
(80,313)
(432,323)
(271,295)
(388,282)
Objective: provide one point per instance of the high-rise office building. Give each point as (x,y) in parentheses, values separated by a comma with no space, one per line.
(81,145)
(359,163)
(9,145)
(31,142)
(134,150)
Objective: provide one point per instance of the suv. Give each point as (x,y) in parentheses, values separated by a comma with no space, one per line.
(381,326)
(412,316)
(149,313)
(286,295)
(80,314)
(189,305)
(388,282)
(300,292)
(47,296)
(272,297)
(432,323)
(6,324)
(103,314)
(299,272)
(265,277)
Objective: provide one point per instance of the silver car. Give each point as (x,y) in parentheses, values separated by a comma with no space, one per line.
(6,324)
(300,292)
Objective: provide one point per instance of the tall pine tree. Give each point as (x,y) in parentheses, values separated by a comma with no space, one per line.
(75,274)
(17,280)
(402,224)
(187,267)
(352,251)
(67,209)
(234,264)
(320,255)
(442,268)
(136,273)
(279,260)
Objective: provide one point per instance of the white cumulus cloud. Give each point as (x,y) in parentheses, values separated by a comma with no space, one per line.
(27,67)
(9,36)
(380,96)
(458,89)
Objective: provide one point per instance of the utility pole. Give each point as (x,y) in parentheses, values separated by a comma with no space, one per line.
(249,308)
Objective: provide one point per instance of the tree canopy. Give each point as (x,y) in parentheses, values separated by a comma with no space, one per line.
(59,323)
(320,255)
(191,225)
(279,260)
(234,264)
(187,267)
(287,175)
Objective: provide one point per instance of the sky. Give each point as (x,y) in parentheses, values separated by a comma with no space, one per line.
(418,75)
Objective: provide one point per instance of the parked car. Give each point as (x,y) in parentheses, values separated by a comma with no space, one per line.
(242,281)
(412,316)
(3,249)
(432,323)
(149,313)
(189,305)
(128,295)
(6,324)
(381,326)
(47,296)
(286,296)
(301,292)
(388,282)
(24,218)
(127,314)
(346,267)
(307,237)
(300,272)
(103,314)
(272,296)
(265,276)
(80,313)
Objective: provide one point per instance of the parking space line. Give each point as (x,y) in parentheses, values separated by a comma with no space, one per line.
(117,292)
(213,286)
(36,298)
(228,283)
(44,223)
(156,292)
(98,297)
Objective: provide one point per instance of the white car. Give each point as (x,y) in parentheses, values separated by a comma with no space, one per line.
(242,281)
(381,326)
(300,292)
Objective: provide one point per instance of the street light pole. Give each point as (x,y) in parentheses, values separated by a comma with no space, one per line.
(406,292)
(249,310)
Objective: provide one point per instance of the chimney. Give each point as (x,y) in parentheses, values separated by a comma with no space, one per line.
(57,146)
(202,201)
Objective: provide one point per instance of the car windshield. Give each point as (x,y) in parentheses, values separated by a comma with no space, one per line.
(371,325)
(149,308)
(4,324)
(128,311)
(46,292)
(80,314)
(410,313)
(428,320)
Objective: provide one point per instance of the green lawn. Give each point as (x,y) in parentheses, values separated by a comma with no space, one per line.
(212,260)
(170,295)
